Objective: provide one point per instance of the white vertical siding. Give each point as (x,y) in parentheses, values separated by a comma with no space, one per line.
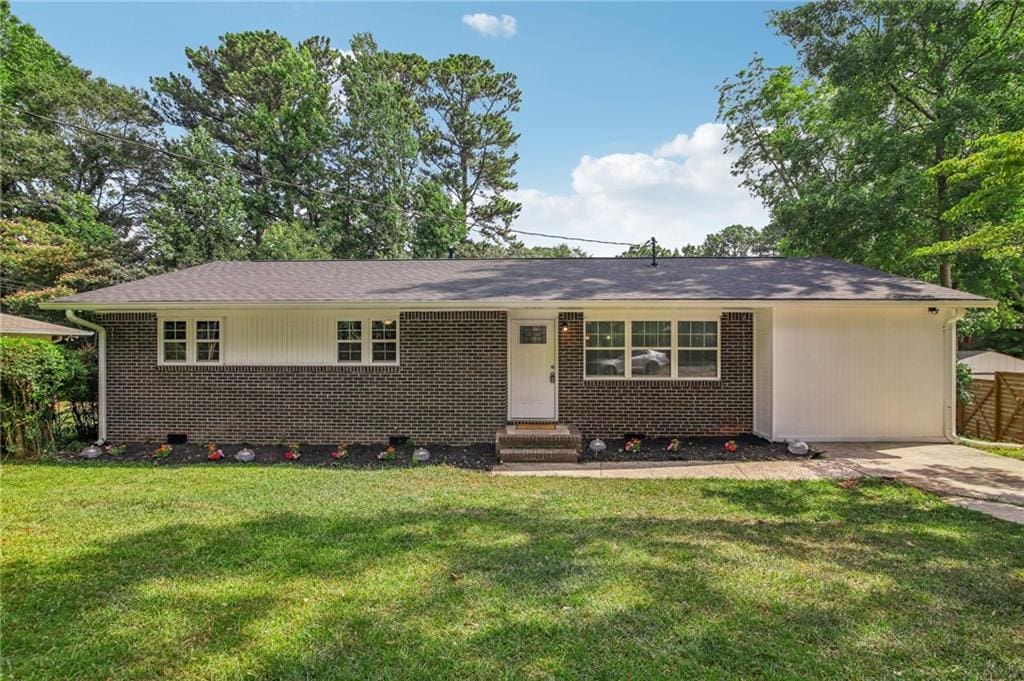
(253,337)
(280,337)
(763,321)
(858,374)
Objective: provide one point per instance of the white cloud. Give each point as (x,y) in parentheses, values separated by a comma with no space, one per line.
(679,194)
(487,24)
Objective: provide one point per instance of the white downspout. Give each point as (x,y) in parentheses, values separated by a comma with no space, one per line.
(949,403)
(101,400)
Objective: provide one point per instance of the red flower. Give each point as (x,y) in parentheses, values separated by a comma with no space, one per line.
(730,446)
(215,455)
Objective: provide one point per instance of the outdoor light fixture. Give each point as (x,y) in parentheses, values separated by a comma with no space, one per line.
(565,327)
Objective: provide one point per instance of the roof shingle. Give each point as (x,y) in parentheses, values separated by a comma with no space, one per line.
(516,280)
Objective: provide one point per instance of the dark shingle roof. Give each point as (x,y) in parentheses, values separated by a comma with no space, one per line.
(534,279)
(12,324)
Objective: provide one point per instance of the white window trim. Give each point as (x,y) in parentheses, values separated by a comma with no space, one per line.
(366,351)
(700,316)
(190,340)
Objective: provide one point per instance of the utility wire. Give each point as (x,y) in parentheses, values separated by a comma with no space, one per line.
(292,185)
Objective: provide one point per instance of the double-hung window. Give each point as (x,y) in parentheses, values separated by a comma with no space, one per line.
(368,341)
(190,341)
(174,341)
(207,340)
(698,349)
(666,348)
(605,348)
(350,341)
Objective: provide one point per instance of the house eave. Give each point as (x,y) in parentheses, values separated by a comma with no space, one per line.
(108,307)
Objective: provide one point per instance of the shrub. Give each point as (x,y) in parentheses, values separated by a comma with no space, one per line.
(34,375)
(964,379)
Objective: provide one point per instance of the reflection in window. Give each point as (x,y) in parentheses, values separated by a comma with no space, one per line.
(605,344)
(651,348)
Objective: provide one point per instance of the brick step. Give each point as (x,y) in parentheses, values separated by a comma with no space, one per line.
(563,437)
(539,455)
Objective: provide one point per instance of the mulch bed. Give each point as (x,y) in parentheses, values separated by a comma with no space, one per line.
(479,456)
(748,448)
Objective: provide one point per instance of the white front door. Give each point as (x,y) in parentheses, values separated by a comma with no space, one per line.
(531,393)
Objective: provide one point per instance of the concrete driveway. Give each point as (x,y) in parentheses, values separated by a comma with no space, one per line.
(965,476)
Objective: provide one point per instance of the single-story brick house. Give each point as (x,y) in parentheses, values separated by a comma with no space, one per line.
(446,351)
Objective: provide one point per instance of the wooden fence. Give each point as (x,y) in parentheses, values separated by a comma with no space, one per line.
(997,412)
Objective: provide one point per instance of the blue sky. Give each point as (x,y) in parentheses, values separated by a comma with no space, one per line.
(617,98)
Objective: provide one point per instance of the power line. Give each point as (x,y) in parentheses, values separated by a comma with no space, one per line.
(292,185)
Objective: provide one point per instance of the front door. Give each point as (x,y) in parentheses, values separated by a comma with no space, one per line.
(532,369)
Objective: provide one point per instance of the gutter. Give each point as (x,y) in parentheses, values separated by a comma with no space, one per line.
(101,399)
(949,403)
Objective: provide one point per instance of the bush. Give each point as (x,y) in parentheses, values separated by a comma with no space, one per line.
(964,379)
(35,375)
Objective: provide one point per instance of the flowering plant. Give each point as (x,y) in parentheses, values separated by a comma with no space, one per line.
(674,445)
(292,453)
(388,454)
(162,451)
(214,453)
(633,445)
(730,446)
(340,452)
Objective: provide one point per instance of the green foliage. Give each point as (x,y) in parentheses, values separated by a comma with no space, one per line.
(839,147)
(201,215)
(513,248)
(43,164)
(469,142)
(291,240)
(964,379)
(271,108)
(734,241)
(42,260)
(993,177)
(34,374)
(378,153)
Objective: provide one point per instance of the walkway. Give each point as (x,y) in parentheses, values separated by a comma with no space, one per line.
(964,476)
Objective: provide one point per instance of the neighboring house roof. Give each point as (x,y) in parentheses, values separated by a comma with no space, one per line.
(987,361)
(520,279)
(11,325)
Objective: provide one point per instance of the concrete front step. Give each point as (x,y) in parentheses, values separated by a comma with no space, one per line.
(539,455)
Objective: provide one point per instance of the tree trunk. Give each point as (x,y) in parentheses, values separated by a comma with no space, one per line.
(945,232)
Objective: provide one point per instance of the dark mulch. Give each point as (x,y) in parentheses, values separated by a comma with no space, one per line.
(479,456)
(748,448)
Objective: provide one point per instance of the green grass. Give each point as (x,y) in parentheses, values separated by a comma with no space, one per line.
(1012,452)
(225,572)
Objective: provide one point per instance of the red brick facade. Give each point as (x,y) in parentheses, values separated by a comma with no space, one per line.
(610,408)
(451,387)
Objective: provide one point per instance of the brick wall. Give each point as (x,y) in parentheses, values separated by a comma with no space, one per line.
(609,408)
(451,387)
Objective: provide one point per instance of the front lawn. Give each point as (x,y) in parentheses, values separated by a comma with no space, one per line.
(211,572)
